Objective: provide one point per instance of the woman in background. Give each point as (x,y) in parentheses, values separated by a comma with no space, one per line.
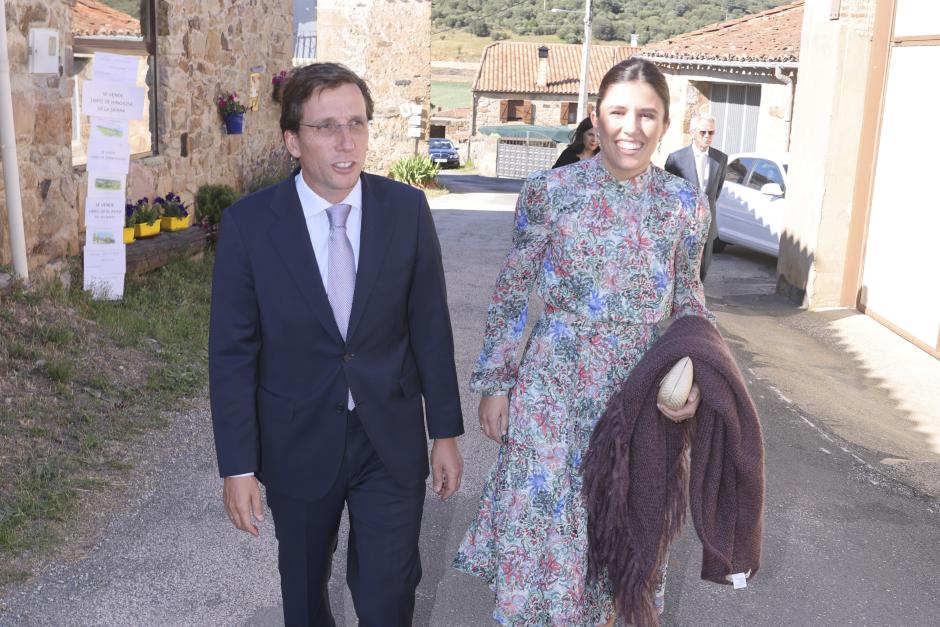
(583,145)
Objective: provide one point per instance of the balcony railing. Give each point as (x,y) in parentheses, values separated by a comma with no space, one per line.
(305,48)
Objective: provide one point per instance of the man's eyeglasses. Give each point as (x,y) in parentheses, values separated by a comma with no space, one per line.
(704,133)
(333,129)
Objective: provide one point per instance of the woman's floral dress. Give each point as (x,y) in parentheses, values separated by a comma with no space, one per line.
(610,260)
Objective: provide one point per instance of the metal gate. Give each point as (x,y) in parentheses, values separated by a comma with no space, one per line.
(518,158)
(736,108)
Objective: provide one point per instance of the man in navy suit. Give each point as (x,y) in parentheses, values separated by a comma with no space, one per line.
(329,325)
(704,167)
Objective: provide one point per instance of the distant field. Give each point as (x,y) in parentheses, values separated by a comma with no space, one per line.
(461,46)
(448,95)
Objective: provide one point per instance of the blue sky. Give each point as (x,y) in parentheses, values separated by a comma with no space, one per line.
(304,11)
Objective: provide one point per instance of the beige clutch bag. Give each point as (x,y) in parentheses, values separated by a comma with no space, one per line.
(676,385)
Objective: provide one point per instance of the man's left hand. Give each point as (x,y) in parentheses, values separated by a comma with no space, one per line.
(446,467)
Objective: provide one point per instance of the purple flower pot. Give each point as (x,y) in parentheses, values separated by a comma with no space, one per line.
(235,123)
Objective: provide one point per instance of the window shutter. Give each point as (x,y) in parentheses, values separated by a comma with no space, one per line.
(503,110)
(528,112)
(565,112)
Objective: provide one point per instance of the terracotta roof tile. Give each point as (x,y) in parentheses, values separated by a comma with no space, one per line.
(91,18)
(512,67)
(771,35)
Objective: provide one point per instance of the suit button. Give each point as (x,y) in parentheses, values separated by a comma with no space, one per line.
(348,357)
(341,407)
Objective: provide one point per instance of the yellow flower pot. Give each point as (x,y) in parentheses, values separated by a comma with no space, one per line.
(174,224)
(147,230)
(128,235)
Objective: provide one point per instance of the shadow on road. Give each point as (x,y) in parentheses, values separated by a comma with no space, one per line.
(474,183)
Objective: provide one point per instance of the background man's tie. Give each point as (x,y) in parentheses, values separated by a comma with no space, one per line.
(703,164)
(341,272)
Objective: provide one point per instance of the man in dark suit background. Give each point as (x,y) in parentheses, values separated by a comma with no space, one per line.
(704,167)
(329,324)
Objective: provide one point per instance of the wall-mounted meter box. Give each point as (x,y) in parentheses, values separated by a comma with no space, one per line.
(43,51)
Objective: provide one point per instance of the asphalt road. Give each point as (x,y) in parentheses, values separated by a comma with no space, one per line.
(843,544)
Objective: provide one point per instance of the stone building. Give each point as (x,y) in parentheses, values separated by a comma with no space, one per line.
(861,223)
(515,85)
(192,52)
(525,98)
(742,71)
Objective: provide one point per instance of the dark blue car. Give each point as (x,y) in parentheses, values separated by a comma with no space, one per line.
(443,152)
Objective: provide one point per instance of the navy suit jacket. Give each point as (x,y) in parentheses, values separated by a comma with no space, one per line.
(682,163)
(278,366)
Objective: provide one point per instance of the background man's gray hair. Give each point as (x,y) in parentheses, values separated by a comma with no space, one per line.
(700,117)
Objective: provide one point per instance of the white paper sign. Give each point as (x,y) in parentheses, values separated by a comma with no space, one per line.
(106,156)
(111,131)
(111,184)
(106,258)
(103,234)
(104,210)
(115,68)
(113,100)
(104,286)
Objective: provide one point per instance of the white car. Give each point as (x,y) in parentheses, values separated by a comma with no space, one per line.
(752,202)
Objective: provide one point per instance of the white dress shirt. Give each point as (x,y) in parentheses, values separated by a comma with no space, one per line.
(318,222)
(318,226)
(701,166)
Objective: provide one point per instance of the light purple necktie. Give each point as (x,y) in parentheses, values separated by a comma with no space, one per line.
(341,272)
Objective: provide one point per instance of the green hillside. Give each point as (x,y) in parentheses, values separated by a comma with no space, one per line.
(652,20)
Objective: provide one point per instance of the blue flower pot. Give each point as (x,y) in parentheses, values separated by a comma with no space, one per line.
(235,123)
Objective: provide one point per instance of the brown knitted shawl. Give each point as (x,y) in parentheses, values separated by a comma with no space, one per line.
(637,480)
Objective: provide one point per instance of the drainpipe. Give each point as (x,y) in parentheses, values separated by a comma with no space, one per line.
(788,114)
(11,167)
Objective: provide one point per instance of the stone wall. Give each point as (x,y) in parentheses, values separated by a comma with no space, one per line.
(388,43)
(547,109)
(42,120)
(204,49)
(827,120)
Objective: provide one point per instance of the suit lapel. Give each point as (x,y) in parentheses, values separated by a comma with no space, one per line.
(691,168)
(290,238)
(376,234)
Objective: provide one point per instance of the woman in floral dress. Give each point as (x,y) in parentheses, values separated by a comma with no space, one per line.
(613,245)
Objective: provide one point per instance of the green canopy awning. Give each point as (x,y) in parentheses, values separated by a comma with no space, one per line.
(558,134)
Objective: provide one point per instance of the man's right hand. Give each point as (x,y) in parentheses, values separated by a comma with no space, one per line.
(242,498)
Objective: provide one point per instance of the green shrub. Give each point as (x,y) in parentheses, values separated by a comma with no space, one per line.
(211,201)
(418,171)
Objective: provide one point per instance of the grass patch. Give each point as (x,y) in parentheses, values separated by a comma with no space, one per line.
(447,95)
(108,373)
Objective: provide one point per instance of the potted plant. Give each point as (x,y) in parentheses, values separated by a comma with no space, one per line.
(173,213)
(233,112)
(129,223)
(277,85)
(146,219)
(211,201)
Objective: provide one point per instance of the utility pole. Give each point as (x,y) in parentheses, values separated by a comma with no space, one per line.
(585,62)
(585,58)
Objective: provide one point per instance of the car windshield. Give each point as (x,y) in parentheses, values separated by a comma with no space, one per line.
(440,143)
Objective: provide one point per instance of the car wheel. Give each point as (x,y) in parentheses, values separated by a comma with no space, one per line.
(718,246)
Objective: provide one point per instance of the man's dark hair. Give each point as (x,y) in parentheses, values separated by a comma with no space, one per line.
(304,81)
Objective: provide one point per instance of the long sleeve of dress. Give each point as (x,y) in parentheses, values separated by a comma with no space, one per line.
(689,294)
(496,368)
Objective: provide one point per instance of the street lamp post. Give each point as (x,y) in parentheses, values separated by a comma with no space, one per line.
(585,58)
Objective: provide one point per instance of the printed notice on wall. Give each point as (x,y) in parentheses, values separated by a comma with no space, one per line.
(111,99)
(115,68)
